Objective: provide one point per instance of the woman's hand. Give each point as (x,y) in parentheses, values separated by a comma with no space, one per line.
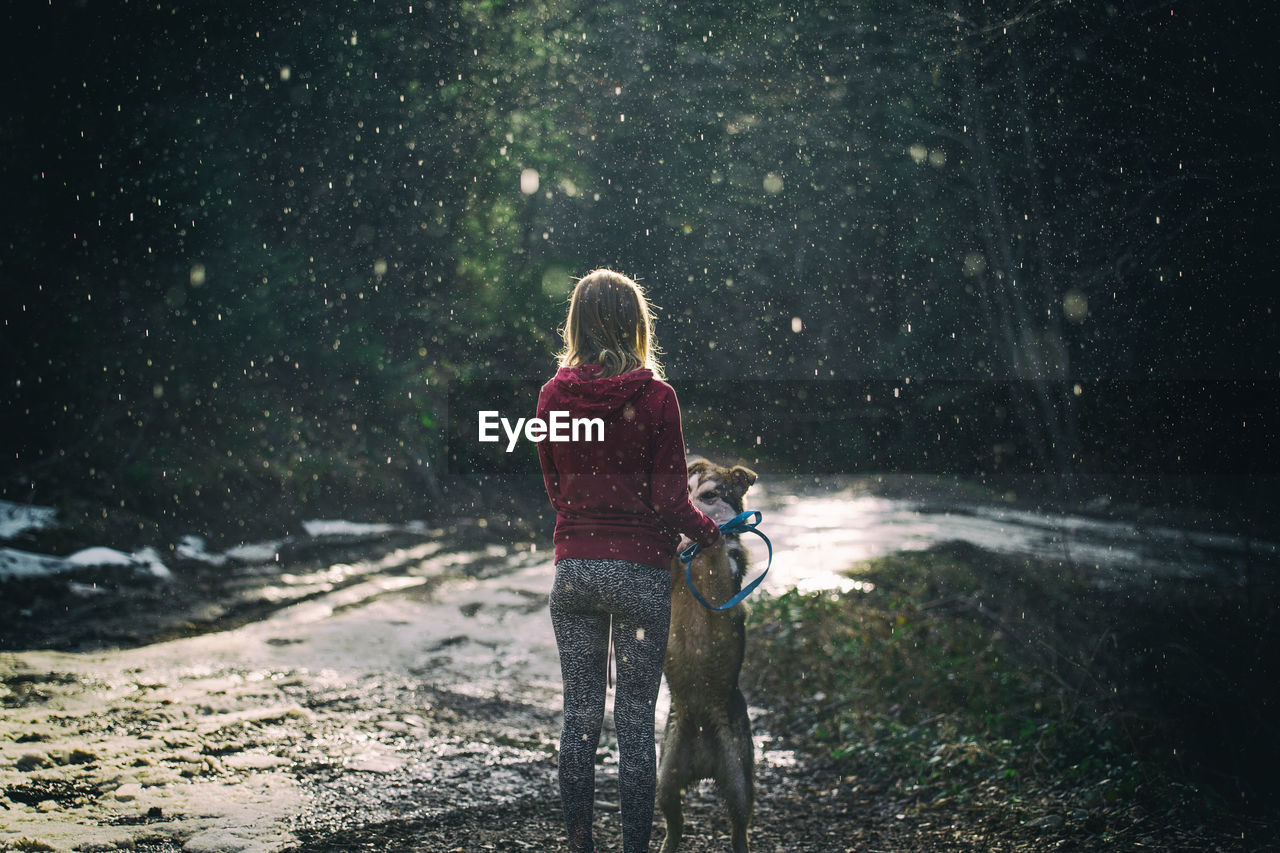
(685,542)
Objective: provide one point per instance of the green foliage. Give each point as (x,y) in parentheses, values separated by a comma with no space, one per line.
(319,212)
(329,228)
(923,680)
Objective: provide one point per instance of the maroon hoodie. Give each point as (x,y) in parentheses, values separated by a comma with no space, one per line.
(626,497)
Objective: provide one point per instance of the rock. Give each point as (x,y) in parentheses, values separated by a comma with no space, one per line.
(376,764)
(33,844)
(128,793)
(71,756)
(33,761)
(81,756)
(1049,821)
(219,841)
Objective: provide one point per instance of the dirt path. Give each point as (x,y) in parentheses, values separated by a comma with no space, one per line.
(419,672)
(417,710)
(410,700)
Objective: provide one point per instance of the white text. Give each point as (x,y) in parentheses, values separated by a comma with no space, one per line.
(558,427)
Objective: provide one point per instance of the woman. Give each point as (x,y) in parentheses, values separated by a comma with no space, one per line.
(622,504)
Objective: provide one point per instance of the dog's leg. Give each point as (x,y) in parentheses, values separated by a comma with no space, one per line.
(673,774)
(735,770)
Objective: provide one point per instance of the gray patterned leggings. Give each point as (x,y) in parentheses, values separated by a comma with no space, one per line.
(638,597)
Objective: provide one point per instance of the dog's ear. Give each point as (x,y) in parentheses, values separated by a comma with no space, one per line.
(742,478)
(696,465)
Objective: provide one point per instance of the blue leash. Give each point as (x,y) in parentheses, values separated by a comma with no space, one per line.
(737,524)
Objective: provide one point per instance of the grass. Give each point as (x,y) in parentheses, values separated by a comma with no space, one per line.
(956,678)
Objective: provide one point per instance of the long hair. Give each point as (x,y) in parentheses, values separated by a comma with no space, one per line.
(610,323)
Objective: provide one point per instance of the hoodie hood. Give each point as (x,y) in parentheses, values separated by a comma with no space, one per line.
(582,391)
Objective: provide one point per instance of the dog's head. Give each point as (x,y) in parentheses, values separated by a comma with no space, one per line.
(717,490)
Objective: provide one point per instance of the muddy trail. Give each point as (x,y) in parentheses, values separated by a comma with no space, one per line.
(399,689)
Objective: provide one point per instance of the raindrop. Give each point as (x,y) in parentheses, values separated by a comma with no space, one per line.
(974,264)
(1075,306)
(529,181)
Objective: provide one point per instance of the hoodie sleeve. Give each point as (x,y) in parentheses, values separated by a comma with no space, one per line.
(669,486)
(550,478)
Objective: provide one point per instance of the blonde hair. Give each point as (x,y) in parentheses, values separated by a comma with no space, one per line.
(610,323)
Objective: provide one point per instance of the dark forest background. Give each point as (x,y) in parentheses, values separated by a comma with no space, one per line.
(255,254)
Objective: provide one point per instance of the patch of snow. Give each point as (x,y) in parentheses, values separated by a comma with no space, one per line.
(338,527)
(341,527)
(195,548)
(18,518)
(255,552)
(146,561)
(24,564)
(99,556)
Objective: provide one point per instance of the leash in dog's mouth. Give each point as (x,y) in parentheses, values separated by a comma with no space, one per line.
(741,523)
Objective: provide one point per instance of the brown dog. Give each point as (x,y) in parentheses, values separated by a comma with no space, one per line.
(708,733)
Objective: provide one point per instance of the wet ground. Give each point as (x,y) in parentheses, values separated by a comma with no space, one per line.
(400,690)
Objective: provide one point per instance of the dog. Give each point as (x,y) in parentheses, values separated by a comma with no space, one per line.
(708,733)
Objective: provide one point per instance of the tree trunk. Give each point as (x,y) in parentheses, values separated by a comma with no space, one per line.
(1017,331)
